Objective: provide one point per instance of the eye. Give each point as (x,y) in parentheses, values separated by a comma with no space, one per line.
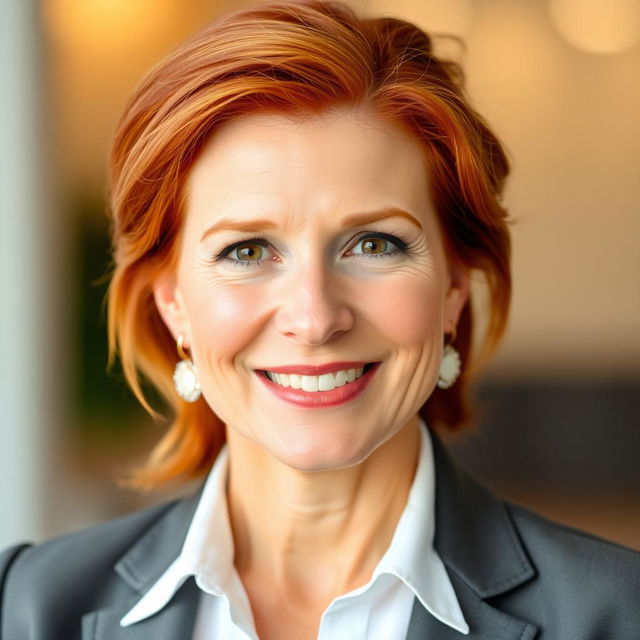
(245,253)
(378,245)
(249,252)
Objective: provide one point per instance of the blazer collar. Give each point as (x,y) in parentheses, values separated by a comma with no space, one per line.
(474,537)
(150,556)
(482,552)
(140,567)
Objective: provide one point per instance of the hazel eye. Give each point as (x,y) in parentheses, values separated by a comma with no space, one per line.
(248,252)
(245,253)
(373,245)
(378,245)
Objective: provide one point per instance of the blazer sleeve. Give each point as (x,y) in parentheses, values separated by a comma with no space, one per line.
(47,588)
(7,559)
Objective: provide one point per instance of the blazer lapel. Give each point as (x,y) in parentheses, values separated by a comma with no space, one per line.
(485,622)
(482,553)
(173,622)
(140,567)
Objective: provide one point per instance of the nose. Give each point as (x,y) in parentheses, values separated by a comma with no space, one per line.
(312,307)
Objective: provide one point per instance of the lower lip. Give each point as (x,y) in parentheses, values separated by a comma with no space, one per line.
(320,399)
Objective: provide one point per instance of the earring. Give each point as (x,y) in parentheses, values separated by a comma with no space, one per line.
(450,365)
(185,376)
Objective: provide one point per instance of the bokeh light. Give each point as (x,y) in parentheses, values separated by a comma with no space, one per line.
(598,26)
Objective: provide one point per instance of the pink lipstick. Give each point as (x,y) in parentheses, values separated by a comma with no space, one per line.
(319,399)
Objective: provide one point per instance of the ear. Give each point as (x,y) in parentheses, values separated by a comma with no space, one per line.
(171,307)
(456,296)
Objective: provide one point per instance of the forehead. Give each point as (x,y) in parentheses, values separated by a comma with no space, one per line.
(326,162)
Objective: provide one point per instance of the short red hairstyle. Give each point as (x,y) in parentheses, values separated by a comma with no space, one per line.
(297,58)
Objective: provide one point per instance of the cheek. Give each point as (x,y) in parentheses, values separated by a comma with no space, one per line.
(407,310)
(224,319)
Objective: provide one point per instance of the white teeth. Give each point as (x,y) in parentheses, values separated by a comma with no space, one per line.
(324,382)
(284,379)
(294,379)
(309,383)
(341,378)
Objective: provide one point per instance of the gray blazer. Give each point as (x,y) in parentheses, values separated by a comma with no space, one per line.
(517,575)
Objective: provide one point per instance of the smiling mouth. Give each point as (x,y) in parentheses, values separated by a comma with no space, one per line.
(323,382)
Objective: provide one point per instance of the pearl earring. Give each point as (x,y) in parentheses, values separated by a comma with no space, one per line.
(185,376)
(450,364)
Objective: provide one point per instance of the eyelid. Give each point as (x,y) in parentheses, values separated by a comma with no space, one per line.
(257,240)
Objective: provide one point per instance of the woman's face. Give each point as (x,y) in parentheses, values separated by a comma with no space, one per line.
(312,242)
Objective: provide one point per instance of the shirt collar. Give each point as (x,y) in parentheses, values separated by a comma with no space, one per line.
(208,551)
(411,555)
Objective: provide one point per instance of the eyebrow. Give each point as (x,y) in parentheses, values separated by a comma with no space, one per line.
(352,220)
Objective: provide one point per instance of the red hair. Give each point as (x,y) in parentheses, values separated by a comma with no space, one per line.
(297,58)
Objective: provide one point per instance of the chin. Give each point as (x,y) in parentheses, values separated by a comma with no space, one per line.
(313,454)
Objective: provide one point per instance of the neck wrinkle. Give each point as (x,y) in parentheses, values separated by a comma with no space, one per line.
(323,546)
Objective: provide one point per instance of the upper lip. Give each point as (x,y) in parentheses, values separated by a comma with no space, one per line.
(316,370)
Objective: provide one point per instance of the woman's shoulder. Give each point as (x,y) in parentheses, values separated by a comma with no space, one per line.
(553,542)
(57,581)
(99,543)
(579,577)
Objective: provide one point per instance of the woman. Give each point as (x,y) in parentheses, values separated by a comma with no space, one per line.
(300,196)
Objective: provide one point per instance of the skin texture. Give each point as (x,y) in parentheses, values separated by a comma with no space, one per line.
(314,494)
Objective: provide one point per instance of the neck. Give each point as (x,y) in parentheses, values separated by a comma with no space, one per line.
(314,536)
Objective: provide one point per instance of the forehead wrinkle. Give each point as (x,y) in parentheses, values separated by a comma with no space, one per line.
(270,178)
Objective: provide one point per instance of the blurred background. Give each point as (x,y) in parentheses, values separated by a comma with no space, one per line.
(559,80)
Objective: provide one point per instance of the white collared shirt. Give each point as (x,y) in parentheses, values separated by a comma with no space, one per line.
(379,610)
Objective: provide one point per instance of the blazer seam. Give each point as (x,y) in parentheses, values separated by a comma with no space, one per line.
(507,582)
(132,574)
(507,620)
(525,564)
(524,561)
(488,592)
(525,630)
(126,564)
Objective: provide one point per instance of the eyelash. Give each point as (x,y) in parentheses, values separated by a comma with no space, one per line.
(402,248)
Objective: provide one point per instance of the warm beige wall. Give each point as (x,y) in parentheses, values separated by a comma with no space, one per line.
(571,121)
